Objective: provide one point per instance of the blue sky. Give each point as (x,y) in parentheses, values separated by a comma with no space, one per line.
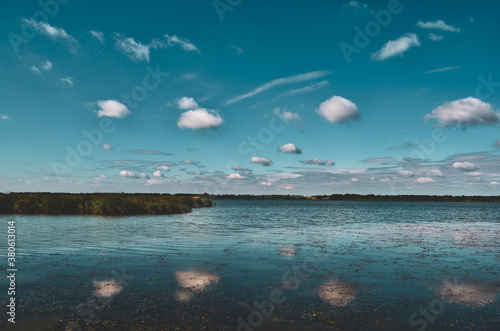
(281,97)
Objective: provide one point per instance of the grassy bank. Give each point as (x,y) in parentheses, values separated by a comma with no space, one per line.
(99,203)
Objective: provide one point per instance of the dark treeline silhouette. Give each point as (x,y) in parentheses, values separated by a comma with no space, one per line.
(359,197)
(99,203)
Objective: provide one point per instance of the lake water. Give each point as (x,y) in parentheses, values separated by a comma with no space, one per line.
(262,265)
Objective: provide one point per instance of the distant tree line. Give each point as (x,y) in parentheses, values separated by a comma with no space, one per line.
(359,197)
(99,203)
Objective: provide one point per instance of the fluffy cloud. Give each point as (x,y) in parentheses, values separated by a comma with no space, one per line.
(406,173)
(144,176)
(200,118)
(354,180)
(464,112)
(261,160)
(465,166)
(98,35)
(236,176)
(439,25)
(163,167)
(158,174)
(289,148)
(396,47)
(67,80)
(435,37)
(47,65)
(436,172)
(243,170)
(286,115)
(265,184)
(338,110)
(186,103)
(126,173)
(424,180)
(4,117)
(112,108)
(107,146)
(54,33)
(183,42)
(318,162)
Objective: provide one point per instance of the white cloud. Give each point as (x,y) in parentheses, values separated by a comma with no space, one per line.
(286,115)
(338,110)
(100,177)
(494,183)
(439,25)
(290,148)
(464,112)
(98,35)
(354,180)
(435,37)
(54,33)
(407,173)
(188,162)
(236,175)
(4,117)
(396,47)
(186,103)
(158,173)
(112,108)
(318,162)
(465,166)
(132,49)
(288,187)
(155,182)
(424,180)
(183,42)
(200,118)
(261,160)
(280,81)
(47,65)
(163,167)
(126,173)
(442,70)
(265,184)
(67,80)
(357,4)
(107,146)
(144,176)
(475,173)
(436,172)
(35,69)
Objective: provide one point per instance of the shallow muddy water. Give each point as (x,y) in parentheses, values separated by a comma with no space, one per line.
(261,265)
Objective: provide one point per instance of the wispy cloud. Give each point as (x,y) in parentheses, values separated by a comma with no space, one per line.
(279,81)
(98,35)
(439,25)
(396,47)
(47,65)
(183,42)
(54,33)
(442,70)
(435,37)
(68,81)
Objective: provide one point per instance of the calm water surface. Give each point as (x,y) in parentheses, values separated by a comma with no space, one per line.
(262,265)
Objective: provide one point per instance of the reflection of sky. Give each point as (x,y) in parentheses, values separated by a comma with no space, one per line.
(475,294)
(107,288)
(338,293)
(192,282)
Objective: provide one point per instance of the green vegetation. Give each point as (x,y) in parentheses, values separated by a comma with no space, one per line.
(99,203)
(359,197)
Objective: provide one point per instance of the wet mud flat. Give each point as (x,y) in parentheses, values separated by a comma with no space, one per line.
(199,272)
